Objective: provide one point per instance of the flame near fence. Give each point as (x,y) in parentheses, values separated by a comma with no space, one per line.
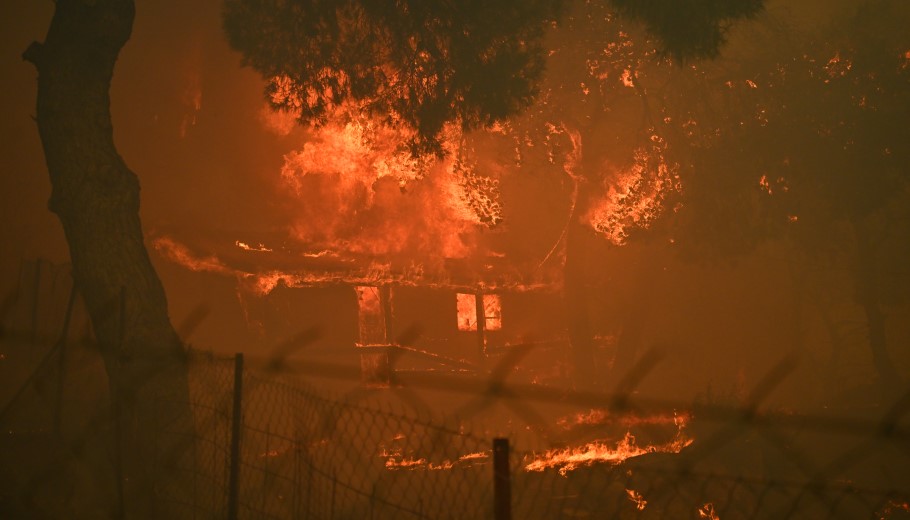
(268,445)
(302,454)
(295,452)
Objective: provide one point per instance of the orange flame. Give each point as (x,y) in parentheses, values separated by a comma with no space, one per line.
(361,190)
(466,305)
(568,459)
(396,461)
(635,197)
(707,511)
(597,416)
(370,274)
(637,499)
(246,247)
(180,254)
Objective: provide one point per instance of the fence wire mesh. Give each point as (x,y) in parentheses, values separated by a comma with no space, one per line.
(372,454)
(395,452)
(308,456)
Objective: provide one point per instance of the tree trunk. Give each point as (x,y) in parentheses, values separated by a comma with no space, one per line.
(867,296)
(576,286)
(96,198)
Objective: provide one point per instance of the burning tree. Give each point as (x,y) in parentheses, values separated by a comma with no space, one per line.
(597,124)
(418,65)
(429,73)
(343,54)
(758,158)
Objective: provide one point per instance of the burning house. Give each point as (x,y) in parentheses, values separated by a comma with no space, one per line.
(455,317)
(447,260)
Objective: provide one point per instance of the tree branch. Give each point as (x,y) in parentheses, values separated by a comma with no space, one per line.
(34,54)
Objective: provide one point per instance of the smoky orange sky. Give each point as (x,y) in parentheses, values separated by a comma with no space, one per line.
(189,121)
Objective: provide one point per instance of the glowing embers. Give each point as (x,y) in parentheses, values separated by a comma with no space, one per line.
(598,417)
(394,460)
(466,305)
(893,506)
(399,457)
(837,66)
(769,187)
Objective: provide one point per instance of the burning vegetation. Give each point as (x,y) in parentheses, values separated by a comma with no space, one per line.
(552,211)
(615,452)
(568,459)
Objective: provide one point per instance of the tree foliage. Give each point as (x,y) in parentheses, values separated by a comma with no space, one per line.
(808,131)
(424,64)
(800,140)
(421,63)
(692,28)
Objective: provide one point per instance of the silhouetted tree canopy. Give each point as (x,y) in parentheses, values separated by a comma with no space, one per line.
(426,63)
(421,62)
(806,144)
(689,28)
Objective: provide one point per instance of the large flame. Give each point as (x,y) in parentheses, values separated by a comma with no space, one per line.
(635,197)
(359,189)
(466,305)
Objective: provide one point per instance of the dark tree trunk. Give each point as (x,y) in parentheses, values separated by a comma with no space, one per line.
(868,297)
(576,286)
(629,342)
(96,198)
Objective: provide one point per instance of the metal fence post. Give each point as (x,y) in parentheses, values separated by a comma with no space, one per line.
(236,424)
(502,485)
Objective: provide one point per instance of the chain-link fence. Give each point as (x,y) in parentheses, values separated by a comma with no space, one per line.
(372,454)
(296,452)
(266,442)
